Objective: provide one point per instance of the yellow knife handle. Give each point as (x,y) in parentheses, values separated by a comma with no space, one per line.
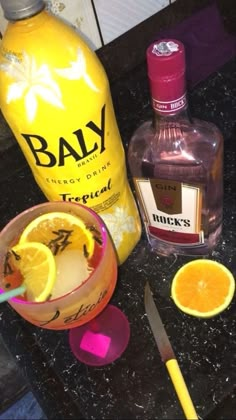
(181,389)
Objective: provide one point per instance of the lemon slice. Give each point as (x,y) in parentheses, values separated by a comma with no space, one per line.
(203,288)
(60,231)
(37,266)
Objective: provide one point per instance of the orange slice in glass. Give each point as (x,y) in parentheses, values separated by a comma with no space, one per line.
(37,266)
(60,231)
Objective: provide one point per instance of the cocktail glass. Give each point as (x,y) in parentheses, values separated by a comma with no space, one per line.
(99,333)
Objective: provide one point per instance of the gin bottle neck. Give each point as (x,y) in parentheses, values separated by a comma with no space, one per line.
(168,95)
(161,119)
(166,73)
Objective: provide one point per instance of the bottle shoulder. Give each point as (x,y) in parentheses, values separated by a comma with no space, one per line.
(207,130)
(183,144)
(49,39)
(190,131)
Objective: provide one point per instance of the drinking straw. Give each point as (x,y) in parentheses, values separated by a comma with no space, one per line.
(12,293)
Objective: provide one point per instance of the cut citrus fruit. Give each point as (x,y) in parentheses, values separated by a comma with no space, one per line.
(60,231)
(37,266)
(203,288)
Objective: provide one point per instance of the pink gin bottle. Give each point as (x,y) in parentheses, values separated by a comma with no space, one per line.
(176,162)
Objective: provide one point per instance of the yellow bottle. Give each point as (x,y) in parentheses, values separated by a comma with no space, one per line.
(55,96)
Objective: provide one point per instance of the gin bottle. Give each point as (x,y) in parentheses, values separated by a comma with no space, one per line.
(176,162)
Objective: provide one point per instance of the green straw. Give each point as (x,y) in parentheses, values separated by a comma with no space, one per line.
(12,293)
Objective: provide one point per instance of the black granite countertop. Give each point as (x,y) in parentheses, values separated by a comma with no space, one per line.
(137,385)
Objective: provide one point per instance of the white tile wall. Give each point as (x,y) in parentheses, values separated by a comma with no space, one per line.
(79,13)
(115,16)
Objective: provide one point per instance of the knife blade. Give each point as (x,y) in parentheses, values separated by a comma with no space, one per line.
(168,355)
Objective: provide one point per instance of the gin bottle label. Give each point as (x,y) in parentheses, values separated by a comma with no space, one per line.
(172,210)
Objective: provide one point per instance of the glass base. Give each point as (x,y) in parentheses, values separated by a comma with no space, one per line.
(103,339)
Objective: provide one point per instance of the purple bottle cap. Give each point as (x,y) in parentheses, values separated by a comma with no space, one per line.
(166,72)
(166,59)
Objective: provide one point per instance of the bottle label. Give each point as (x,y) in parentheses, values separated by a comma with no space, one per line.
(171,106)
(172,210)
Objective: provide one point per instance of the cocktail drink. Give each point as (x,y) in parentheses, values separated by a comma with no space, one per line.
(81,291)
(85,263)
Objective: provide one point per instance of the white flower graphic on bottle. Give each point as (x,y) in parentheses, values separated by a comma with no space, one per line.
(31,82)
(118,223)
(77,70)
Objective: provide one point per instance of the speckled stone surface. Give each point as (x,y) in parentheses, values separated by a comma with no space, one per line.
(10,378)
(137,386)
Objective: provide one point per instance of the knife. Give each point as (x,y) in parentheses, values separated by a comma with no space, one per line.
(167,355)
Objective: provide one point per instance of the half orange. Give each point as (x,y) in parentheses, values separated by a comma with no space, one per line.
(203,288)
